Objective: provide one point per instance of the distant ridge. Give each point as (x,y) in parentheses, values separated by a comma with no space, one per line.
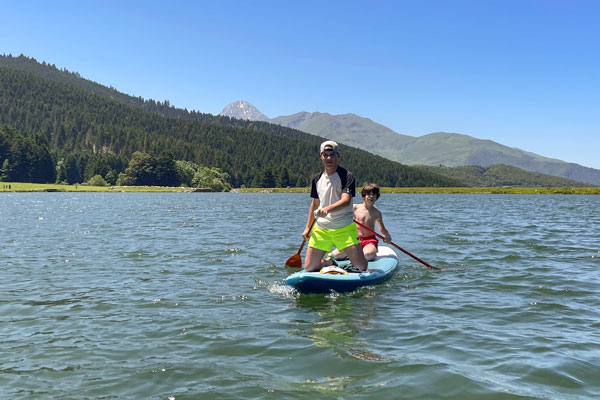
(439,148)
(348,128)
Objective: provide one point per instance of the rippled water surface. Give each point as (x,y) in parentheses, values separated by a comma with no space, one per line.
(158,296)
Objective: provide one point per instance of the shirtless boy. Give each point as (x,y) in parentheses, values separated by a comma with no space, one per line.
(368,215)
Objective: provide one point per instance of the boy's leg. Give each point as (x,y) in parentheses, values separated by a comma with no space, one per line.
(356,256)
(313,259)
(370,252)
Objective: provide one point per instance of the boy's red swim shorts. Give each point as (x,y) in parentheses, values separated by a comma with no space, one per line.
(365,240)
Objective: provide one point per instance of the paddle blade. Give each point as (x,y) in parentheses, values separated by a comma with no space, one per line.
(294,261)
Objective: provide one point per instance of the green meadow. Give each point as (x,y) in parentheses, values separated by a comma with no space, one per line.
(43,187)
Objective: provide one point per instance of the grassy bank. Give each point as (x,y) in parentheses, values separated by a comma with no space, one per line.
(42,187)
(38,187)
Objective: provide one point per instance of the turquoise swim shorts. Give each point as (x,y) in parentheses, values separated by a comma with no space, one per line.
(325,239)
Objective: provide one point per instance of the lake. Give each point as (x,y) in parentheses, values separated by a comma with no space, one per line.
(181,295)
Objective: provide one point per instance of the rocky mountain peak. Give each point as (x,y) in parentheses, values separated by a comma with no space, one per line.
(243,110)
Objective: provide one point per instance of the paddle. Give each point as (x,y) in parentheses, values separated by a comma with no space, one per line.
(295,261)
(398,247)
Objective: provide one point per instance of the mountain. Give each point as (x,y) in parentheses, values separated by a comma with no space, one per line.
(440,148)
(96,130)
(348,128)
(243,110)
(452,149)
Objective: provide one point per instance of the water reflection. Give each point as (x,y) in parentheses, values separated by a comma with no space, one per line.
(340,321)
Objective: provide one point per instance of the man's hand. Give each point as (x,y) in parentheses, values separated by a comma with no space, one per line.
(321,212)
(306,234)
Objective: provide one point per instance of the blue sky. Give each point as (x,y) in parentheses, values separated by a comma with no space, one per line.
(524,73)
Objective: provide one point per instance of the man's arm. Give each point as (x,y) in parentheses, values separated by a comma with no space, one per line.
(343,202)
(311,216)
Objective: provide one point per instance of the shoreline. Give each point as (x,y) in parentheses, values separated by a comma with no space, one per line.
(23,187)
(448,190)
(19,187)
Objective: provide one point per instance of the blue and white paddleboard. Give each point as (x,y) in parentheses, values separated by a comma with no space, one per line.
(380,270)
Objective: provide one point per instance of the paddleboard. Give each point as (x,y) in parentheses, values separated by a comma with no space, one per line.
(380,270)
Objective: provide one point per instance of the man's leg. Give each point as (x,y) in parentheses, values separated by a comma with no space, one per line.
(313,259)
(356,256)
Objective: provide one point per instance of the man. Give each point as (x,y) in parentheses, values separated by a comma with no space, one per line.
(332,191)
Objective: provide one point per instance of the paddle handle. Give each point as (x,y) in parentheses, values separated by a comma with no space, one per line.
(398,247)
(304,240)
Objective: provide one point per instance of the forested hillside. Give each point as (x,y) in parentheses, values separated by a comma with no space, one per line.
(80,127)
(502,175)
(73,79)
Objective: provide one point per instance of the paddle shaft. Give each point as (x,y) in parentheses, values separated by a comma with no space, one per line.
(398,247)
(295,261)
(304,240)
(301,246)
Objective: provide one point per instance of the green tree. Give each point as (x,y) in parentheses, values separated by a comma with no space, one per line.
(72,165)
(111,177)
(213,178)
(61,171)
(148,170)
(282,178)
(164,170)
(3,171)
(140,170)
(124,180)
(97,180)
(185,171)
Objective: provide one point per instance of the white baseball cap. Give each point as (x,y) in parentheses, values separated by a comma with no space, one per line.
(330,145)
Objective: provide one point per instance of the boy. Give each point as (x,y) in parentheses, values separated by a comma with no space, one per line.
(332,191)
(368,215)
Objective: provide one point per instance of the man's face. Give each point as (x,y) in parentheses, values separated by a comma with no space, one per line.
(330,159)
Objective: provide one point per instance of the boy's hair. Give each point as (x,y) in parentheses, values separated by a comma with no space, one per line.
(370,188)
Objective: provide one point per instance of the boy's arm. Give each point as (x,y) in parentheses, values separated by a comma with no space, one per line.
(384,232)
